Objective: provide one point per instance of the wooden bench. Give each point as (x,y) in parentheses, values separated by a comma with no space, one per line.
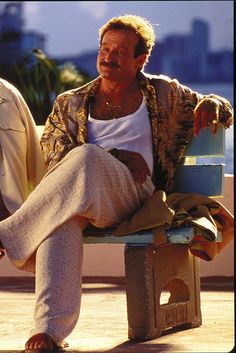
(150,271)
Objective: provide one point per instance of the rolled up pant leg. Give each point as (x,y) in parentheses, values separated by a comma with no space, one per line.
(58,282)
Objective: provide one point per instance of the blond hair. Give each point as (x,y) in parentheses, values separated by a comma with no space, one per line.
(138,25)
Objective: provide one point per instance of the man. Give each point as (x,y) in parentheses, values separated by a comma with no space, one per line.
(108,146)
(21,162)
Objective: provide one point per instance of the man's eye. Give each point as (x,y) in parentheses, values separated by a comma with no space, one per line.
(121,53)
(104,50)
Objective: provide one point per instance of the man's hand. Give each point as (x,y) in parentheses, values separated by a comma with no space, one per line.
(136,164)
(206,114)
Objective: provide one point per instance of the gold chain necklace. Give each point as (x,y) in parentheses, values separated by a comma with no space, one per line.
(115,110)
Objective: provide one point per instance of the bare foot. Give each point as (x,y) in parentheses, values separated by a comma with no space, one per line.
(40,341)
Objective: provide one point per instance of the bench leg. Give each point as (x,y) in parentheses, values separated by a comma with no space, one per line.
(148,273)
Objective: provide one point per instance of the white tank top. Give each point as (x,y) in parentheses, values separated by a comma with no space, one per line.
(131,132)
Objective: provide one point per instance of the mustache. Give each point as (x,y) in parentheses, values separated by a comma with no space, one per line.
(109,64)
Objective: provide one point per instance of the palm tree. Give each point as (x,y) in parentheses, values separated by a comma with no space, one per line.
(41,79)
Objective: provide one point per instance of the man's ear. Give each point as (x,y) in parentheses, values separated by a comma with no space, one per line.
(140,60)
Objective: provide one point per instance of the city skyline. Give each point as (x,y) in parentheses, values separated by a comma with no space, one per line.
(62,23)
(187,57)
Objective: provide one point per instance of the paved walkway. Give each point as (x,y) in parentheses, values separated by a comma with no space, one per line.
(103,323)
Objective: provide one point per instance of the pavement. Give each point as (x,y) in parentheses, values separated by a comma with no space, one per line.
(102,326)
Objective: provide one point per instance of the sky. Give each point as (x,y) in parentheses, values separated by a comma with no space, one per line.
(71,27)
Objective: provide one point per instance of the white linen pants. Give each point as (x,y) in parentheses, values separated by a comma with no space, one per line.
(45,234)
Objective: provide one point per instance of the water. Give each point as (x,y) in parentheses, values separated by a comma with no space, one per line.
(224,90)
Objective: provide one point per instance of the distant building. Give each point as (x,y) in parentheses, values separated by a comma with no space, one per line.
(199,43)
(184,56)
(176,56)
(220,66)
(15,42)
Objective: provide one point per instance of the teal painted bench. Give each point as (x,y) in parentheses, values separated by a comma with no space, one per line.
(171,270)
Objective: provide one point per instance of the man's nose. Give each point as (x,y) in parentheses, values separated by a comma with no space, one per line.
(110,55)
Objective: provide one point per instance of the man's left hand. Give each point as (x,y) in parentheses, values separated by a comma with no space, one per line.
(135,162)
(206,114)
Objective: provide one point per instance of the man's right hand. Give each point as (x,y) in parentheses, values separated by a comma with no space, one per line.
(136,164)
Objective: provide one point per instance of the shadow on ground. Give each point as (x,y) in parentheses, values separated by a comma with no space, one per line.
(27,284)
(130,347)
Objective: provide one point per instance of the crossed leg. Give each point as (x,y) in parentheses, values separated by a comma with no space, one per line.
(88,184)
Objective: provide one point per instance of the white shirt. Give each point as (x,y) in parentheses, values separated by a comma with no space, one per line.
(131,132)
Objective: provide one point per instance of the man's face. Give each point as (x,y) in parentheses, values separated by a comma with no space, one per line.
(115,59)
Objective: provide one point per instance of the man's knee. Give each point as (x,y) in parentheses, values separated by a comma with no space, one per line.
(86,154)
(89,148)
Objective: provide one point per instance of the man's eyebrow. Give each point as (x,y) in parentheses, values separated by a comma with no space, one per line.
(119,47)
